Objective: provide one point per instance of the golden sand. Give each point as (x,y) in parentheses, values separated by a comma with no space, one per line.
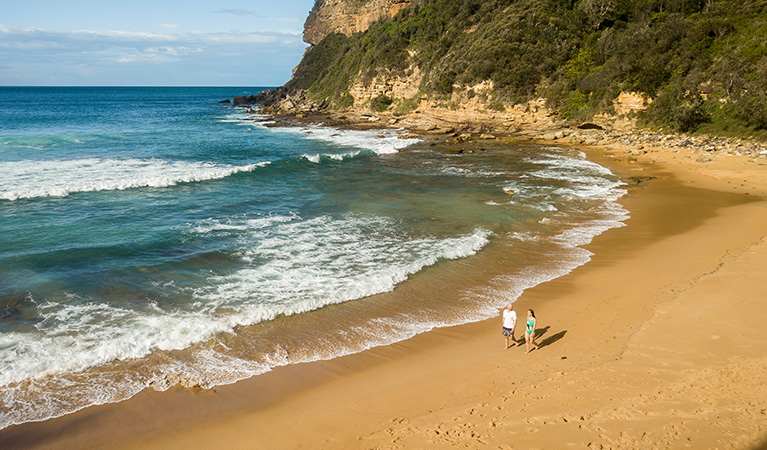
(658,342)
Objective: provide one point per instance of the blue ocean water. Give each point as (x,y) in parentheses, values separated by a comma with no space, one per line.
(153,236)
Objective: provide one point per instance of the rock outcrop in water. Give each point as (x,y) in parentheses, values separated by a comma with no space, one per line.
(264,98)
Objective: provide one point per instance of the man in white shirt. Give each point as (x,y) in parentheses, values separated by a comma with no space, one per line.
(509,324)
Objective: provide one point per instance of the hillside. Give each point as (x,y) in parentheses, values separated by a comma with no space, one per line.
(699,65)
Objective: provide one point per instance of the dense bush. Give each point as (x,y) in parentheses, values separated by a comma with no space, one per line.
(579,54)
(381,103)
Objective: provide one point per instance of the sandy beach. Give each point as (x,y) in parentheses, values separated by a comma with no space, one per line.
(658,342)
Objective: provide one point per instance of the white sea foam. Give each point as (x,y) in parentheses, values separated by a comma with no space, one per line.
(564,177)
(240,223)
(526,236)
(301,265)
(380,142)
(571,255)
(580,180)
(610,215)
(291,265)
(30,179)
(248,120)
(318,157)
(75,336)
(471,172)
(586,180)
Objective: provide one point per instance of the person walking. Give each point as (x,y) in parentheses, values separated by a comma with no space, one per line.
(509,324)
(530,330)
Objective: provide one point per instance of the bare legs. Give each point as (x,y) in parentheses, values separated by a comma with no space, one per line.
(530,340)
(512,339)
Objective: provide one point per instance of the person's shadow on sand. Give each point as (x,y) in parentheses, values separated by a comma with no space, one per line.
(540,332)
(551,339)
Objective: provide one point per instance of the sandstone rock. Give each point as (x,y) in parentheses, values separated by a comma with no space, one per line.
(628,102)
(486,136)
(343,16)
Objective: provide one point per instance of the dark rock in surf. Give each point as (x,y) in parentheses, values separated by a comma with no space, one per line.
(264,98)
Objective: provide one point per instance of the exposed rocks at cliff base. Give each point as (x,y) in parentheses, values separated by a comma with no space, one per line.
(469,112)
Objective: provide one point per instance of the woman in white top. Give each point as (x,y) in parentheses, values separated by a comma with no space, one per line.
(509,324)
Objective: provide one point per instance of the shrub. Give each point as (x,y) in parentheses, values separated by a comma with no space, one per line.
(407,105)
(578,53)
(575,106)
(381,103)
(345,101)
(752,110)
(496,106)
(444,84)
(691,114)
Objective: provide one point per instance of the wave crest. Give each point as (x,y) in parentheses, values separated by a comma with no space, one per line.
(31,179)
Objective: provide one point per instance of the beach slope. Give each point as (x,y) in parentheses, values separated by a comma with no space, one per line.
(658,342)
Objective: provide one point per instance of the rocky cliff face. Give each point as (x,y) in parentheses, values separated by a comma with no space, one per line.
(347,16)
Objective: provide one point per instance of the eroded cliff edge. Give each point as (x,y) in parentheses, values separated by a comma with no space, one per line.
(347,17)
(549,64)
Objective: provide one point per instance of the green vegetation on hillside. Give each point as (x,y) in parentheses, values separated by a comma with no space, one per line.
(702,62)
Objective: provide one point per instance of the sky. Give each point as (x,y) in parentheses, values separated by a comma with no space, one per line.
(150,42)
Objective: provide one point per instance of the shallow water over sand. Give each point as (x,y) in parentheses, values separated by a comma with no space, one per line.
(153,237)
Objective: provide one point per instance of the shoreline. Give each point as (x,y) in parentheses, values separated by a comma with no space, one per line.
(395,396)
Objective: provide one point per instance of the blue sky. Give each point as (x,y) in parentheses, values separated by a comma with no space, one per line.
(150,43)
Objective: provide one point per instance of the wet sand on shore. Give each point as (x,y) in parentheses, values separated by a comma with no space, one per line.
(658,342)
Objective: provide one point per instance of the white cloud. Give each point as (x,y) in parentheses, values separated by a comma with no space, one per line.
(156,55)
(85,42)
(239,12)
(31,52)
(251,13)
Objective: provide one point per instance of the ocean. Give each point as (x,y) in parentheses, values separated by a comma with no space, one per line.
(152,236)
